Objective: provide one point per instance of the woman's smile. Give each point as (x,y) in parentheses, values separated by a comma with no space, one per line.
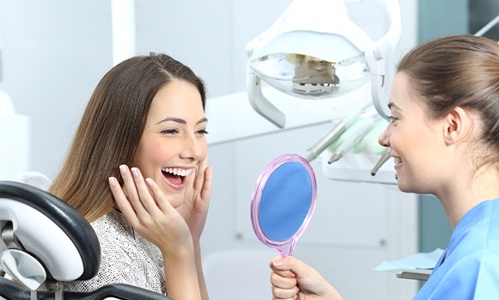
(176,177)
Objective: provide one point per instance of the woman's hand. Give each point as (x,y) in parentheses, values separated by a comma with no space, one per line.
(150,214)
(154,218)
(197,200)
(293,279)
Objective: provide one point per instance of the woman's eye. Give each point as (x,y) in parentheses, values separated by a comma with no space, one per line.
(392,119)
(202,131)
(169,131)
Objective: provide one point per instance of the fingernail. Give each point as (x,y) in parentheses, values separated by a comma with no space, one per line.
(123,169)
(135,172)
(278,263)
(112,181)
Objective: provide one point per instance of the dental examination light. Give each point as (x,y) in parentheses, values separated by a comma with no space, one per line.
(314,51)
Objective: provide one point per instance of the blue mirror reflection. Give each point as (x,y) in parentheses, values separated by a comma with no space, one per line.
(285,201)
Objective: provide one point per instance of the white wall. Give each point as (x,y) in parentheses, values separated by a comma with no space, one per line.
(55,51)
(53,54)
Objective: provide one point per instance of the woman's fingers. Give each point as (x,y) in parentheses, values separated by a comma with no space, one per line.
(159,199)
(282,282)
(119,196)
(131,190)
(206,183)
(198,179)
(284,287)
(202,180)
(149,212)
(147,201)
(134,198)
(126,198)
(284,294)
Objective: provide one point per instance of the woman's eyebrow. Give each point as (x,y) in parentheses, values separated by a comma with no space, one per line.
(178,120)
(181,121)
(393,105)
(203,120)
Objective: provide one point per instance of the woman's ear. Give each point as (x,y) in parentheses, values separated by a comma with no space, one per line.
(458,125)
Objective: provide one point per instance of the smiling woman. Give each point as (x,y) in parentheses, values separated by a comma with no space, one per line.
(444,137)
(173,138)
(147,113)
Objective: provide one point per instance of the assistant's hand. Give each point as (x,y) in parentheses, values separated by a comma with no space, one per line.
(293,278)
(197,195)
(150,214)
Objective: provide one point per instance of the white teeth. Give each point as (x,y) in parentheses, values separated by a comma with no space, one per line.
(179,172)
(397,160)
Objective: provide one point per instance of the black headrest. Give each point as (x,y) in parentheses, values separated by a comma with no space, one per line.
(76,227)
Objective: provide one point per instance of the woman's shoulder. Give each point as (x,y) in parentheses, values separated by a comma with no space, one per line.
(112,222)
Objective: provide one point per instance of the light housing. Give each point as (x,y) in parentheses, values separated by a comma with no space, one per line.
(315,51)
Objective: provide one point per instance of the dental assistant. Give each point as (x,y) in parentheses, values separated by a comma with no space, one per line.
(137,170)
(444,138)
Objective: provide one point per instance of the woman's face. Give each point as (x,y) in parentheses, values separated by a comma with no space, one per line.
(415,142)
(173,142)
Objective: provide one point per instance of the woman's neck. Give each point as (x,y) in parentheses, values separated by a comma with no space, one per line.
(463,194)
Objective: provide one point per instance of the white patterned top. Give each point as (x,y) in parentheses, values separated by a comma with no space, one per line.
(126,257)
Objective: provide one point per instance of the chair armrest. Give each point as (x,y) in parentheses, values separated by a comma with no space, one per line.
(118,290)
(12,291)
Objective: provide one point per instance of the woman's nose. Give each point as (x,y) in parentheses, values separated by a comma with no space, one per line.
(384,139)
(194,147)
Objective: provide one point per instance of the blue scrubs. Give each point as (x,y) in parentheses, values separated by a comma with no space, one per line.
(469,267)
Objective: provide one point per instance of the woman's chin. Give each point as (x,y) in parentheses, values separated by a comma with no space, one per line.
(403,186)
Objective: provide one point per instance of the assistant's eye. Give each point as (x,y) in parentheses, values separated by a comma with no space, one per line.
(202,132)
(392,119)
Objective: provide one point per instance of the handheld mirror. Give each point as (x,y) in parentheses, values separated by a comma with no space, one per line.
(283,202)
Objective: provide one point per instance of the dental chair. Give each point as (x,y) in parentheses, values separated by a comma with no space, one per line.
(44,242)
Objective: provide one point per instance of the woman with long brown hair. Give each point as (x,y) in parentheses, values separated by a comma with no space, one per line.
(137,170)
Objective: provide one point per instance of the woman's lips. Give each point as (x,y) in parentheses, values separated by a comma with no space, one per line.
(176,182)
(397,162)
(176,177)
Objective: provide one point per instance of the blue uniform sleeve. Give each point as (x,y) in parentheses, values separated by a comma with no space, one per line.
(487,284)
(475,276)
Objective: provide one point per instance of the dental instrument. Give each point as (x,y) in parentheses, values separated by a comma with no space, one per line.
(384,158)
(354,140)
(325,141)
(335,132)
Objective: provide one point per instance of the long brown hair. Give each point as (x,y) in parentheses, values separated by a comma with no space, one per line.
(463,71)
(111,129)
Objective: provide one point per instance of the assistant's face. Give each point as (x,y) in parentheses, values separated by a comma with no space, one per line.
(415,142)
(174,139)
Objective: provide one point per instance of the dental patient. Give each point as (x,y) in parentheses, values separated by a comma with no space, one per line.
(137,170)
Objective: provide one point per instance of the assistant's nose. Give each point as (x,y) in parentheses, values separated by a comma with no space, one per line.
(384,138)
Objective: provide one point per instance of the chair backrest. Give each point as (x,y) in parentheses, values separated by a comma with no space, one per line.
(43,242)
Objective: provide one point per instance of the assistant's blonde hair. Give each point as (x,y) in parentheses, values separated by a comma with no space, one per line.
(461,70)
